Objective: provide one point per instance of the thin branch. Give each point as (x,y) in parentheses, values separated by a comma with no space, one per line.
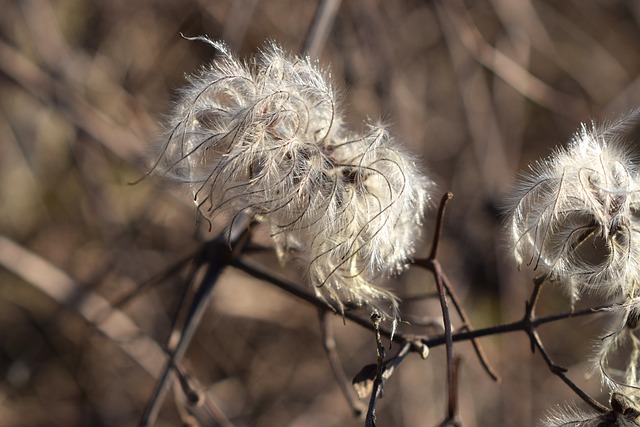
(453,398)
(329,344)
(448,338)
(400,338)
(560,372)
(442,293)
(435,244)
(530,308)
(370,420)
(466,325)
(312,299)
(433,265)
(94,308)
(517,326)
(320,27)
(536,343)
(217,255)
(195,403)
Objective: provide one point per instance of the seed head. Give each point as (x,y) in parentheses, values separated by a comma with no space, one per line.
(574,217)
(267,140)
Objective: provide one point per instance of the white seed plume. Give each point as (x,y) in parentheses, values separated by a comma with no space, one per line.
(268,140)
(575,215)
(624,414)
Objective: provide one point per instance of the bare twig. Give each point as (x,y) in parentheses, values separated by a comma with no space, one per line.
(216,256)
(451,420)
(433,265)
(378,385)
(446,318)
(536,343)
(435,245)
(320,27)
(517,326)
(467,326)
(329,344)
(195,403)
(560,373)
(400,338)
(94,308)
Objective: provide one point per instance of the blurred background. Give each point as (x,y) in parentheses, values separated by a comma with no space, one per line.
(478,89)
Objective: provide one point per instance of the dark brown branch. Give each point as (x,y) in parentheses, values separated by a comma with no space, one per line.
(527,324)
(560,373)
(400,338)
(466,325)
(435,244)
(451,421)
(216,255)
(430,264)
(435,267)
(517,326)
(536,343)
(448,339)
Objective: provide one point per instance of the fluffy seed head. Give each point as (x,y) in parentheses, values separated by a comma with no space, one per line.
(574,217)
(267,140)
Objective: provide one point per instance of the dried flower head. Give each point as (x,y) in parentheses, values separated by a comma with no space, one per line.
(575,215)
(267,140)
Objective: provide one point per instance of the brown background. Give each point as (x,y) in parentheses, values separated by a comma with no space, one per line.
(478,89)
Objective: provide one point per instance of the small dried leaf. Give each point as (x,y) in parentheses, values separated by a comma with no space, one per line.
(363,381)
